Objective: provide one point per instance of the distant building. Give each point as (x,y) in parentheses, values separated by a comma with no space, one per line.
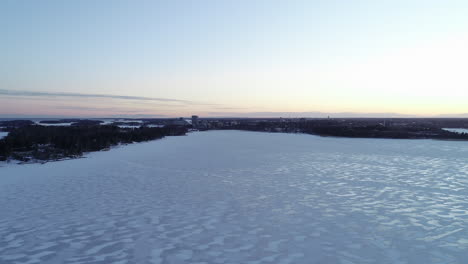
(180,122)
(195,121)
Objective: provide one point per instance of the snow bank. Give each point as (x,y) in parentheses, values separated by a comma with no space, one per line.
(53,124)
(457,130)
(3,134)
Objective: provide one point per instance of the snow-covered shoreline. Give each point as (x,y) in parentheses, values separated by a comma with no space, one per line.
(241,197)
(3,134)
(457,130)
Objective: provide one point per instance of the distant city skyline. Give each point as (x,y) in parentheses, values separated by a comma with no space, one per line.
(245,58)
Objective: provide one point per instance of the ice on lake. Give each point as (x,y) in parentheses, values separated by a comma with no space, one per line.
(241,197)
(3,134)
(457,130)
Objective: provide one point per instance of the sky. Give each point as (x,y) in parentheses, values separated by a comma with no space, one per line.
(175,58)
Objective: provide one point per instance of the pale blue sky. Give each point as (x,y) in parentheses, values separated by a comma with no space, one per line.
(233,57)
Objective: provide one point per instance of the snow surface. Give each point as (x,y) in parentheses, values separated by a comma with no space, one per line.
(241,197)
(53,124)
(3,134)
(153,125)
(107,121)
(457,130)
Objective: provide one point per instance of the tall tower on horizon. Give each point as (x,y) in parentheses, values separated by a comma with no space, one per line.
(195,121)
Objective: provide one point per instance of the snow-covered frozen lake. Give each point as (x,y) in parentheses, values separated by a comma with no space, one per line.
(54,124)
(242,197)
(3,134)
(457,130)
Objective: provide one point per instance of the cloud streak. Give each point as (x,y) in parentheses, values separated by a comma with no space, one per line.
(108,96)
(99,109)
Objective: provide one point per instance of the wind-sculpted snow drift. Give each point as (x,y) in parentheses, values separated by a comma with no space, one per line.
(241,197)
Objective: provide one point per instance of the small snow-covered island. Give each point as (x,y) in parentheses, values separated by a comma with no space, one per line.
(28,141)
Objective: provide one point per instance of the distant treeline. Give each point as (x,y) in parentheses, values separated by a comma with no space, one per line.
(56,142)
(73,122)
(332,128)
(385,132)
